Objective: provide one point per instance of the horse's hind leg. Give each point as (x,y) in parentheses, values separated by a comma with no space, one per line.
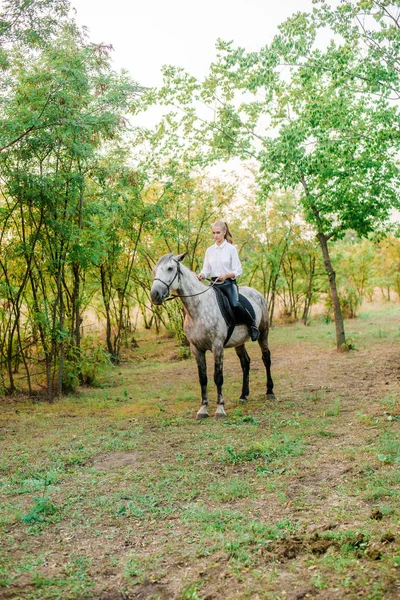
(219,380)
(200,357)
(266,356)
(245,364)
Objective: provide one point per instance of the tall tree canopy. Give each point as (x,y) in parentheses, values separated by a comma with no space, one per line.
(310,115)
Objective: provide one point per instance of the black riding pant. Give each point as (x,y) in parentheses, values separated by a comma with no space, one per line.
(229,287)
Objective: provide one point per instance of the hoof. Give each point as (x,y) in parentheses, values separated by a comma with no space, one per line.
(271,397)
(243,400)
(220,413)
(202,413)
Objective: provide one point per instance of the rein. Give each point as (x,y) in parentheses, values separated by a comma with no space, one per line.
(191,295)
(178,274)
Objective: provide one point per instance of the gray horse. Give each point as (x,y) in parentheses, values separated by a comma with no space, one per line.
(206,329)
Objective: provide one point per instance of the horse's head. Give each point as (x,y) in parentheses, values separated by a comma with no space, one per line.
(166,277)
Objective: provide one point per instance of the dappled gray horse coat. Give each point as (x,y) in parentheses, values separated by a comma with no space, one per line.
(206,329)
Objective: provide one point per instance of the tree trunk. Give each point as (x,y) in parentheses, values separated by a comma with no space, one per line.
(307,301)
(105,291)
(22,353)
(62,346)
(340,335)
(272,297)
(12,389)
(76,308)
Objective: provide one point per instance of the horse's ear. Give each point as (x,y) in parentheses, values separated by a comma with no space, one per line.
(180,257)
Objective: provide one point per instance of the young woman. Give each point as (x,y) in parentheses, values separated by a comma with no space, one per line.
(222,263)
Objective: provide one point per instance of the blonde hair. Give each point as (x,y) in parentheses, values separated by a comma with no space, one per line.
(224,225)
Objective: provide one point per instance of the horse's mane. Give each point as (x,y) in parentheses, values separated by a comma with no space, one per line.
(166,258)
(163,258)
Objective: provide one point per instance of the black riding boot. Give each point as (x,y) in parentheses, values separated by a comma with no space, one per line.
(244,315)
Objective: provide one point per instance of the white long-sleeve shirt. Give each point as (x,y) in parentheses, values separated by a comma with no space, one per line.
(220,260)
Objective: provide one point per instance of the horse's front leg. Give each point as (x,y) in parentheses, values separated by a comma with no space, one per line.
(219,379)
(200,357)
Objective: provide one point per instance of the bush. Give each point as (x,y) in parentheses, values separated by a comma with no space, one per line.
(93,360)
(85,365)
(350,303)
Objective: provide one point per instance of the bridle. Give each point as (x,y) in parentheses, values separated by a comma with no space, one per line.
(177,274)
(169,296)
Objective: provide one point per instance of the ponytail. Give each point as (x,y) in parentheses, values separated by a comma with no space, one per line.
(224,225)
(228,235)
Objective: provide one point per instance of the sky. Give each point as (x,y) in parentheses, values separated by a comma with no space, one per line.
(147,35)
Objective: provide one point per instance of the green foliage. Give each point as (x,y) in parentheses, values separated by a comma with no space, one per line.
(267,451)
(389,448)
(231,489)
(134,569)
(31,24)
(92,360)
(174,326)
(278,258)
(376,34)
(64,103)
(42,508)
(317,128)
(88,204)
(191,592)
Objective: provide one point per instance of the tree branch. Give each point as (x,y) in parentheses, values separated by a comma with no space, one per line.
(27,131)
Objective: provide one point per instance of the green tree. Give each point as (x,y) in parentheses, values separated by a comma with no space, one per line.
(310,121)
(387,266)
(30,26)
(357,272)
(80,104)
(123,217)
(373,25)
(278,256)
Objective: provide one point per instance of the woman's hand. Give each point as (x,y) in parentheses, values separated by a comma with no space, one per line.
(226,276)
(200,276)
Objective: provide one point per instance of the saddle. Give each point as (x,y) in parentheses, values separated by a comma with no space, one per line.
(227,312)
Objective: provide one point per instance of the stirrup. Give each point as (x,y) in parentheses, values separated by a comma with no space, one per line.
(254,333)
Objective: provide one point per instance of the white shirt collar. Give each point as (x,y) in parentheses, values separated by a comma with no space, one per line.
(222,245)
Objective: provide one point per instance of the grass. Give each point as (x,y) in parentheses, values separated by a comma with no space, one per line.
(119,493)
